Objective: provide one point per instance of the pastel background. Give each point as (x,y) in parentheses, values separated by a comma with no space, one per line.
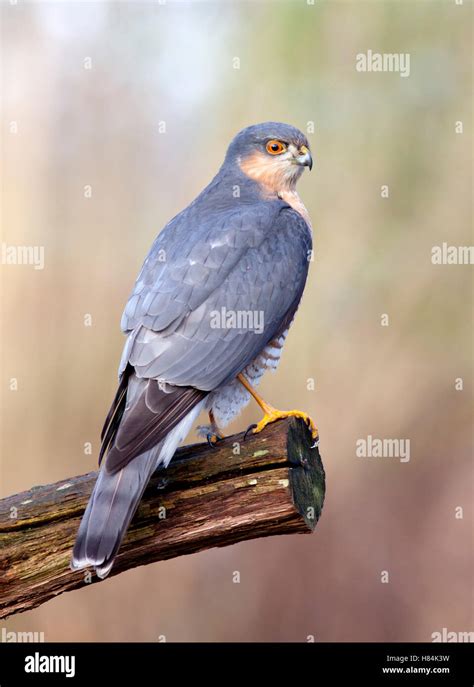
(85,86)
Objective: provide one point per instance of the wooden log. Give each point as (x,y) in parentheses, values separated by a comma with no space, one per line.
(266,484)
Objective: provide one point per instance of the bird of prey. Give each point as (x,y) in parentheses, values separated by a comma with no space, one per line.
(209,313)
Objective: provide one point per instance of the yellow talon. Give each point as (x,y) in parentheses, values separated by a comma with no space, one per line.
(272,414)
(215,434)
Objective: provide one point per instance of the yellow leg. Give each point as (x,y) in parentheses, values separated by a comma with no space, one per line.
(216,432)
(271,414)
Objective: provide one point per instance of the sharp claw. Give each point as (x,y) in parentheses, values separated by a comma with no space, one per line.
(211,443)
(248,430)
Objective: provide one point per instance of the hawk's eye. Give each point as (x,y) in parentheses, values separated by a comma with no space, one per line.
(275,147)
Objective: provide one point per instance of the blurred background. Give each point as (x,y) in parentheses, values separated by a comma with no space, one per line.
(115,115)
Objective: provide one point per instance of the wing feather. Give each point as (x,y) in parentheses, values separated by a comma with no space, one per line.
(173,339)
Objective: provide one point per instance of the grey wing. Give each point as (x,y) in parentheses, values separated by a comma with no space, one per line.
(190,259)
(190,355)
(266,283)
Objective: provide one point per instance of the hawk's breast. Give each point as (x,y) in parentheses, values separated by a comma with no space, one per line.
(293,199)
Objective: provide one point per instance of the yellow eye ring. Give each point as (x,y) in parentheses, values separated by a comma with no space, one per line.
(275,147)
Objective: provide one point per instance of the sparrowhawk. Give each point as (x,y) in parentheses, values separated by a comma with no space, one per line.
(208,314)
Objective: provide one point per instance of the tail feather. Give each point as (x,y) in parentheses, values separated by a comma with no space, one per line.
(115,499)
(113,503)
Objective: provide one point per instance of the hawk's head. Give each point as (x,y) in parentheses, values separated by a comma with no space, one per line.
(272,154)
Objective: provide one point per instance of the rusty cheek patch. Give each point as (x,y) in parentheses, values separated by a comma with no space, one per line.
(270,172)
(276,176)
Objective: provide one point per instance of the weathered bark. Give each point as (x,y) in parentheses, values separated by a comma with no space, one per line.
(207,497)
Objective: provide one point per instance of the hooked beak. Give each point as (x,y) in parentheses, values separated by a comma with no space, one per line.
(304,158)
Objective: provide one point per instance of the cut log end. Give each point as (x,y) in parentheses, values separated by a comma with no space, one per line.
(307,477)
(266,484)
